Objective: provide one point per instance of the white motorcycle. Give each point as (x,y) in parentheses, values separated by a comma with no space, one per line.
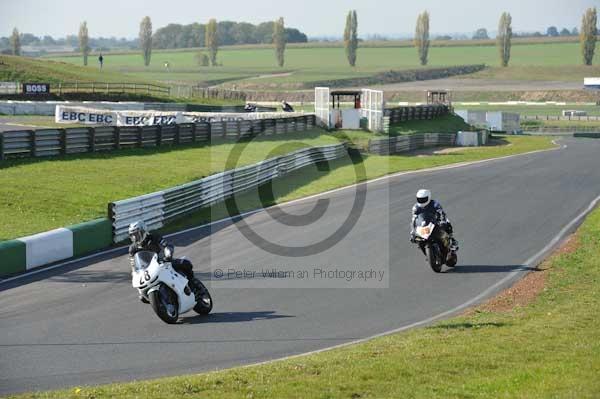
(165,289)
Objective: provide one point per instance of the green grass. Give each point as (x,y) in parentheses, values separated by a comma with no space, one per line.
(547,349)
(24,69)
(562,124)
(78,188)
(309,64)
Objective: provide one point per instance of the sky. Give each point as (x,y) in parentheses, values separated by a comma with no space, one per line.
(121,18)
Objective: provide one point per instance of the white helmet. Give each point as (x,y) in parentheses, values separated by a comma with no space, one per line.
(423,198)
(138,231)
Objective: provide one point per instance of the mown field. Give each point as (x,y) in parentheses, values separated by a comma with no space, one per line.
(555,61)
(541,110)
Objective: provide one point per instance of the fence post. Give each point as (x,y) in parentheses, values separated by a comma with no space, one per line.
(1,146)
(93,87)
(117,135)
(140,133)
(32,143)
(63,141)
(92,138)
(60,88)
(159,136)
(209,130)
(239,129)
(107,88)
(194,138)
(177,135)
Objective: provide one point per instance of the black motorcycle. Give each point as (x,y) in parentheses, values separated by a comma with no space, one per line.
(434,242)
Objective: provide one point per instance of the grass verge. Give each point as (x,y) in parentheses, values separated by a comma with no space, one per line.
(547,348)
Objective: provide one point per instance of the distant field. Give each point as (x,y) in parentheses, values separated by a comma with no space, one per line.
(555,110)
(558,61)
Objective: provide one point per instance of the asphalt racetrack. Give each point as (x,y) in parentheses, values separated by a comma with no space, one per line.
(83,323)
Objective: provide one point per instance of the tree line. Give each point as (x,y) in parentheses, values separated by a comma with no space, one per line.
(230,33)
(587,36)
(212,36)
(170,37)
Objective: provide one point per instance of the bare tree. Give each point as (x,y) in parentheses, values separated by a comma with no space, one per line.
(587,37)
(146,39)
(351,37)
(422,37)
(15,42)
(504,38)
(280,40)
(212,41)
(84,42)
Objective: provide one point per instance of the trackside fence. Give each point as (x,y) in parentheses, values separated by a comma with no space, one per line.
(108,87)
(160,207)
(419,112)
(591,118)
(406,143)
(56,142)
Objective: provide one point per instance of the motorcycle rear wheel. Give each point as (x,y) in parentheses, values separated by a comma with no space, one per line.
(433,259)
(165,304)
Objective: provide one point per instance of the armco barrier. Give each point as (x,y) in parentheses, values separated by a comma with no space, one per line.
(406,143)
(159,207)
(54,142)
(41,249)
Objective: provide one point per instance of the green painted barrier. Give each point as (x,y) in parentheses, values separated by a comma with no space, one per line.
(91,236)
(12,257)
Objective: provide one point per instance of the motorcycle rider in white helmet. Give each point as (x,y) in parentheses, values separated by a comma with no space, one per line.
(142,240)
(426,204)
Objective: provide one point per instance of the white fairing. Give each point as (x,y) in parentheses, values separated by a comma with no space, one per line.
(148,279)
(425,231)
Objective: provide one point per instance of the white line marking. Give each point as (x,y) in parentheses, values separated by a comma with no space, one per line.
(249,213)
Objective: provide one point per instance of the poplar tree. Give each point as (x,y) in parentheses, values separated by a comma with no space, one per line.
(422,37)
(84,42)
(587,35)
(279,40)
(351,37)
(15,42)
(212,41)
(146,39)
(504,38)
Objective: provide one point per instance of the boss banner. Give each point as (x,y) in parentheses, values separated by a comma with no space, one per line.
(87,116)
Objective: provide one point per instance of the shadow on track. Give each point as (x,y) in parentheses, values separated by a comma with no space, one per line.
(489,269)
(233,317)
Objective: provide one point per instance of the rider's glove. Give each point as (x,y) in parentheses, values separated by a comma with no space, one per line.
(413,238)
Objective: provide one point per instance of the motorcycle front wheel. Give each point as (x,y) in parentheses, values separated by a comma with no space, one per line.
(433,258)
(205,304)
(165,304)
